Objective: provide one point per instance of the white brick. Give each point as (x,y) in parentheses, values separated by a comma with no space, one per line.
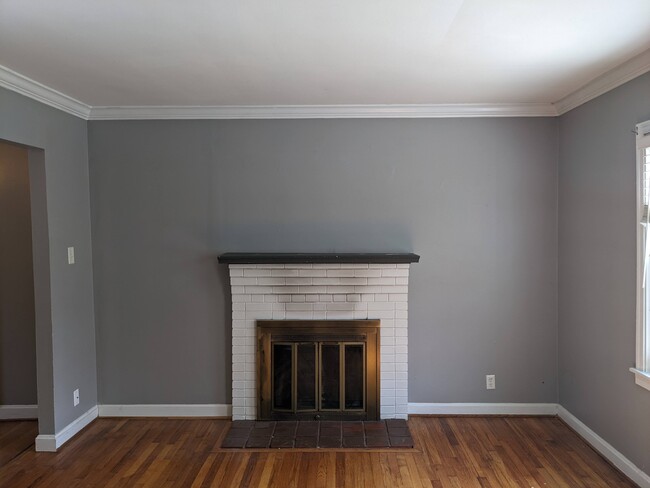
(284,290)
(299,307)
(401,332)
(398,297)
(299,281)
(319,315)
(388,340)
(258,306)
(401,314)
(238,307)
(400,280)
(339,298)
(311,298)
(387,358)
(298,298)
(325,298)
(400,322)
(270,298)
(380,306)
(258,289)
(353,265)
(235,290)
(394,289)
(387,368)
(257,298)
(272,281)
(382,266)
(279,315)
(340,306)
(401,384)
(401,306)
(270,266)
(279,307)
(260,315)
(340,315)
(387,401)
(394,272)
(403,265)
(387,410)
(283,273)
(326,266)
(257,272)
(354,297)
(381,281)
(367,273)
(367,289)
(320,307)
(299,315)
(386,349)
(360,314)
(368,297)
(401,349)
(299,266)
(340,273)
(243,281)
(401,341)
(241,266)
(312,289)
(401,358)
(237,314)
(313,273)
(284,298)
(238,273)
(341,289)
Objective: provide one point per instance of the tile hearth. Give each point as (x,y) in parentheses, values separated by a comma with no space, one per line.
(249,434)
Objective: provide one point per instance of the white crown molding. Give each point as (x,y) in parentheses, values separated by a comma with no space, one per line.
(623,73)
(18,412)
(613,78)
(483,409)
(50,443)
(605,449)
(207,410)
(325,111)
(37,91)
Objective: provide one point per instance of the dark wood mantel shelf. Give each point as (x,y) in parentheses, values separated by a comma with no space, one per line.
(312,258)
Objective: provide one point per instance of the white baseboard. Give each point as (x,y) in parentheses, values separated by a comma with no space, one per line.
(605,449)
(483,408)
(206,410)
(18,412)
(50,443)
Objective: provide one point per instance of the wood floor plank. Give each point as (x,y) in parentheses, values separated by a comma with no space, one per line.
(450,452)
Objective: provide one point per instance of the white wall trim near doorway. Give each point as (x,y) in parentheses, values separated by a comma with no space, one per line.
(50,443)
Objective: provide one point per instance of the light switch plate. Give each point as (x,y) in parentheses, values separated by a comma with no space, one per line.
(71,255)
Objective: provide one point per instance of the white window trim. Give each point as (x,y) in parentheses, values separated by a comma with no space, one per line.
(642,369)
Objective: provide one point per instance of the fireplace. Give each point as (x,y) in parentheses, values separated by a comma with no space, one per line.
(318,370)
(314,288)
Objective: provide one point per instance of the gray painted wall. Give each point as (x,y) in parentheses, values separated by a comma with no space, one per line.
(477,198)
(17,321)
(69,361)
(597,268)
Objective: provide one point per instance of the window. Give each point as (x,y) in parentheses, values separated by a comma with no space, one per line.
(642,369)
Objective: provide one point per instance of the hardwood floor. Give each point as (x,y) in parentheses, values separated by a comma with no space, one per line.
(16,436)
(450,452)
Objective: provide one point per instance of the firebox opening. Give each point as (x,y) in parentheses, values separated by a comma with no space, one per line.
(323,370)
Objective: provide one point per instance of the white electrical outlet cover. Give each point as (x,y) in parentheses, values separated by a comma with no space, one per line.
(71,255)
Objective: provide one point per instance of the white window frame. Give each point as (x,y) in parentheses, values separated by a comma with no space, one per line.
(642,369)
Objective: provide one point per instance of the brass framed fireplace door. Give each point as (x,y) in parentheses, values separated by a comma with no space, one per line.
(318,369)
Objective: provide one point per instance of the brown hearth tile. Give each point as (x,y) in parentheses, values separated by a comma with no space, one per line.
(374,429)
(330,432)
(380,441)
(307,428)
(266,431)
(285,429)
(396,423)
(234,442)
(306,442)
(329,442)
(398,432)
(243,423)
(263,424)
(352,428)
(354,442)
(401,441)
(282,442)
(258,442)
(330,423)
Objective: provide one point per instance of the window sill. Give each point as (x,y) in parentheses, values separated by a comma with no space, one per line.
(642,378)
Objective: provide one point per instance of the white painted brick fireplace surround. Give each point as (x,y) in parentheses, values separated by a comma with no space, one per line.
(319,292)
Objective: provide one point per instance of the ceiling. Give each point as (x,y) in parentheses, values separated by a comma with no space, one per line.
(117,53)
